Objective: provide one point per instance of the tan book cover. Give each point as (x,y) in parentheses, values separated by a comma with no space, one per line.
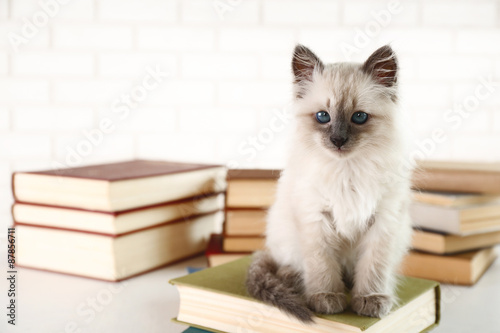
(243,243)
(442,243)
(457,177)
(464,268)
(448,199)
(251,188)
(245,222)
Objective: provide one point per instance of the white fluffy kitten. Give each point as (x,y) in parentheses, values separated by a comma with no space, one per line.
(340,219)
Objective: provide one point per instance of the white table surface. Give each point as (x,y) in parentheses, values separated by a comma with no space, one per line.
(50,302)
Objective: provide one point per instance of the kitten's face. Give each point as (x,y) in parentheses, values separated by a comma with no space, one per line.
(345,108)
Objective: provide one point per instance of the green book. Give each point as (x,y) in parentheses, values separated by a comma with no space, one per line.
(215,299)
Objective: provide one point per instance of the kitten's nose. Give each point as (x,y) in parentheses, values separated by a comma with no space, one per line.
(338,141)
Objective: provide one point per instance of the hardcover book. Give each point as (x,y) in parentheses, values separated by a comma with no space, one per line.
(245,222)
(463,220)
(448,199)
(118,186)
(464,268)
(113,257)
(457,177)
(215,299)
(442,243)
(243,243)
(215,254)
(115,223)
(251,188)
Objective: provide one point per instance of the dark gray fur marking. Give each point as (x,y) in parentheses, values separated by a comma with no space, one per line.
(282,287)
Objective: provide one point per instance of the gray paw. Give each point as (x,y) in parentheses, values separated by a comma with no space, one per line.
(372,305)
(327,303)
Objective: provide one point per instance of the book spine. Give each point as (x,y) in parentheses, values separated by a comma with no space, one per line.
(457,181)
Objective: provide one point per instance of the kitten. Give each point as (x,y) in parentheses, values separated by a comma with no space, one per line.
(340,219)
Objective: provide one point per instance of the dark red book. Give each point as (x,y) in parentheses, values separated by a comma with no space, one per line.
(118,186)
(216,255)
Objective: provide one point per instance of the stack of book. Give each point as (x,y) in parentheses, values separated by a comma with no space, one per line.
(118,220)
(249,195)
(456,215)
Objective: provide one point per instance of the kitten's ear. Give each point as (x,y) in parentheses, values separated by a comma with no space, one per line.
(304,63)
(382,65)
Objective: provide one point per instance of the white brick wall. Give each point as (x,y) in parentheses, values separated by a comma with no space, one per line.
(228,65)
(91,36)
(148,10)
(43,64)
(4,64)
(71,10)
(202,12)
(321,12)
(178,38)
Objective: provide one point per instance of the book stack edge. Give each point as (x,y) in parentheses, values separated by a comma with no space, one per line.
(118,220)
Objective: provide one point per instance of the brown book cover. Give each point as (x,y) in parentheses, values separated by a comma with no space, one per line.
(118,186)
(124,170)
(253,174)
(457,177)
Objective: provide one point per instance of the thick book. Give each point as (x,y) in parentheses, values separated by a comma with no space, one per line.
(215,254)
(463,269)
(462,220)
(243,243)
(251,188)
(245,222)
(442,243)
(118,186)
(117,257)
(216,299)
(448,199)
(457,177)
(115,223)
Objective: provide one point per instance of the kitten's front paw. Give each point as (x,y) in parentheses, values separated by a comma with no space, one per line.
(327,303)
(372,305)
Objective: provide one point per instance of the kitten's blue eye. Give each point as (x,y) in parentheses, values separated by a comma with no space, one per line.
(359,118)
(322,117)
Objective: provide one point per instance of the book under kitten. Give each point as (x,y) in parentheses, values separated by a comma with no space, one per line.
(340,220)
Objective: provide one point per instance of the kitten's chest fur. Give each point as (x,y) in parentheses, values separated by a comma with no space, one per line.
(349,200)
